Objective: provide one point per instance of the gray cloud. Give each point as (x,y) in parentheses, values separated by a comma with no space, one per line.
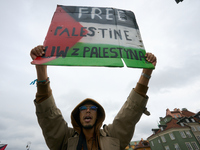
(168,30)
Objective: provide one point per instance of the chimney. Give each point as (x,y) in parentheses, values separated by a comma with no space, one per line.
(168,112)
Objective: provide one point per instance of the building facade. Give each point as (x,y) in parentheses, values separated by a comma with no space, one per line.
(178,130)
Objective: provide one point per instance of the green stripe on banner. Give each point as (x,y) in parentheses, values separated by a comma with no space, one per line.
(86,54)
(77,61)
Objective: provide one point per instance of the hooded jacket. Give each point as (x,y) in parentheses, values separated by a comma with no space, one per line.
(115,136)
(75,120)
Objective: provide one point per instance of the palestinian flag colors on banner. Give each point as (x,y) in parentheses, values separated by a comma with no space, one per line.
(3,146)
(93,36)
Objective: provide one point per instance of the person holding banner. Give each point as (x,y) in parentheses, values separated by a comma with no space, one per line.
(88,116)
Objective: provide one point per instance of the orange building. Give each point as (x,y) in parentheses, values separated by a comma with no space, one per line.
(138,145)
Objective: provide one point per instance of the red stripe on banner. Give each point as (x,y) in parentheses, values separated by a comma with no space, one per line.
(3,147)
(40,60)
(64,32)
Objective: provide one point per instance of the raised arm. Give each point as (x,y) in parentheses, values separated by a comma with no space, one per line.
(43,88)
(123,125)
(40,69)
(54,128)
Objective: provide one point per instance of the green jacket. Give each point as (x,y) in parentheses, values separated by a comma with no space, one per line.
(115,136)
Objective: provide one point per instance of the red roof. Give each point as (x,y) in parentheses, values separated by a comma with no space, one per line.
(187,113)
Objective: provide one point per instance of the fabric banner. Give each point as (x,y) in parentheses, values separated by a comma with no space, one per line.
(93,36)
(3,146)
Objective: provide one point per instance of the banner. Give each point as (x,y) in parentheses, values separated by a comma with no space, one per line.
(93,36)
(3,146)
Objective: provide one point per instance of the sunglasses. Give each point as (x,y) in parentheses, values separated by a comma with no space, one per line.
(84,108)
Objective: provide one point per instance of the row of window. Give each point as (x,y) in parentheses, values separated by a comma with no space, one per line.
(192,146)
(182,133)
(194,129)
(176,146)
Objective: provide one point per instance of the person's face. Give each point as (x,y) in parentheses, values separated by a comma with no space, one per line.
(88,116)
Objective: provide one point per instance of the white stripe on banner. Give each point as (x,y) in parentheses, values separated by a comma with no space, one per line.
(109,34)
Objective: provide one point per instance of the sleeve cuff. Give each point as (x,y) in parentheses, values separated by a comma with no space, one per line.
(43,91)
(140,102)
(45,105)
(141,89)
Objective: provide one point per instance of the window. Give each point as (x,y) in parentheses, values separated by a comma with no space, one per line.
(171,136)
(194,129)
(158,140)
(182,124)
(187,120)
(177,146)
(167,148)
(182,134)
(195,146)
(192,120)
(198,137)
(198,128)
(163,138)
(188,134)
(188,146)
(152,143)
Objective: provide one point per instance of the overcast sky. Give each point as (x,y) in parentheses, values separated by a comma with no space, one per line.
(169,30)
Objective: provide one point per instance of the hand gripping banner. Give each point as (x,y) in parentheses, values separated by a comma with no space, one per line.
(93,36)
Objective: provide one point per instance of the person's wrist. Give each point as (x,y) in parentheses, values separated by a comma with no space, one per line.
(147,71)
(146,75)
(41,66)
(41,72)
